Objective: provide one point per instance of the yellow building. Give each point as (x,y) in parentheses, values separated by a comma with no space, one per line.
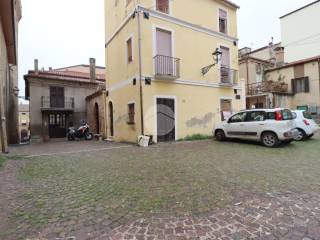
(155,53)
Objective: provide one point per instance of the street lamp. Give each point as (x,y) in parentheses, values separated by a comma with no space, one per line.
(216,58)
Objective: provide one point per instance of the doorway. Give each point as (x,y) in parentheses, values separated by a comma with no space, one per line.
(97,119)
(111,119)
(57,125)
(166,129)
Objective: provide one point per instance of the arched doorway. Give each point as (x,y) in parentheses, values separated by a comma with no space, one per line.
(97,119)
(111,119)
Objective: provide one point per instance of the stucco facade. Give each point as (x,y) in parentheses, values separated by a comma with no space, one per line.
(57,100)
(10,15)
(300,33)
(24,123)
(195,99)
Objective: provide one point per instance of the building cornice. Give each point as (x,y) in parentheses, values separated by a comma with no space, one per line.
(174,20)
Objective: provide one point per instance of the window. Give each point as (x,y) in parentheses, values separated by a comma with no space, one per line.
(56,97)
(127,2)
(223,22)
(257,116)
(131,113)
(163,6)
(271,116)
(240,117)
(300,85)
(129,50)
(307,115)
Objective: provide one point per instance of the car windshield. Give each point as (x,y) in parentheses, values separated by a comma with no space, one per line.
(307,115)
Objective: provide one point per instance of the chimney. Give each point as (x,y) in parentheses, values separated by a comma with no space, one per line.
(50,69)
(279,52)
(36,65)
(92,69)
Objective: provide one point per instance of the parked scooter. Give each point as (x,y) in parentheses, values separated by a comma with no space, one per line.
(82,132)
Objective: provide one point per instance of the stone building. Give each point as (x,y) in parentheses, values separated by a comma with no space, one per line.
(58,97)
(24,123)
(10,15)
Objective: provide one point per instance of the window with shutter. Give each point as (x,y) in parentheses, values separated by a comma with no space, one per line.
(300,85)
(131,113)
(163,6)
(129,50)
(223,21)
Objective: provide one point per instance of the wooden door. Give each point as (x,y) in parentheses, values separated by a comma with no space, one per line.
(56,97)
(57,125)
(111,119)
(165,120)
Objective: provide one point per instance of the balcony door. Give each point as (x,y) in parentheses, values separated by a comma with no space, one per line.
(56,97)
(225,65)
(164,60)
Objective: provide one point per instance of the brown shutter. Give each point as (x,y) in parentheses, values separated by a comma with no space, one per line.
(293,85)
(129,49)
(306,85)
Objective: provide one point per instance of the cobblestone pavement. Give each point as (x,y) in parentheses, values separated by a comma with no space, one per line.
(264,217)
(198,190)
(57,146)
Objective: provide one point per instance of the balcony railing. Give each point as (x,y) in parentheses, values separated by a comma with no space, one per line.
(267,87)
(167,67)
(228,76)
(57,103)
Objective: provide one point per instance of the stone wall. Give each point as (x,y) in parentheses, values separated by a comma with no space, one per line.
(97,120)
(3,90)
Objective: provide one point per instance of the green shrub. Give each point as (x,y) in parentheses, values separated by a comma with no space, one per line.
(196,137)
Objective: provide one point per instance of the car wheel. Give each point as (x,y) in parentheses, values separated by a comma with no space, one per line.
(301,136)
(220,135)
(270,139)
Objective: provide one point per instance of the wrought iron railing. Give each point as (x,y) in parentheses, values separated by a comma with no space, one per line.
(267,86)
(228,76)
(64,103)
(167,67)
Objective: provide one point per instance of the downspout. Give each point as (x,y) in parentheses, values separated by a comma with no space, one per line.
(319,74)
(105,113)
(140,70)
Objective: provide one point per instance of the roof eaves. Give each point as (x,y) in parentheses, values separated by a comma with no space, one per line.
(297,10)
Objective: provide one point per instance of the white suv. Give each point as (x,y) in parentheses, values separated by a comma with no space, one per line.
(270,126)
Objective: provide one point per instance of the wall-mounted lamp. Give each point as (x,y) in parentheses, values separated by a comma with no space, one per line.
(216,58)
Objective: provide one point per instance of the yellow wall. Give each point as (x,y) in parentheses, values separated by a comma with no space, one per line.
(198,107)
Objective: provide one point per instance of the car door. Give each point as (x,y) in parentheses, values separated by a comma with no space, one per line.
(254,124)
(235,126)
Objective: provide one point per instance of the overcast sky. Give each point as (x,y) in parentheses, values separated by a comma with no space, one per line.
(68,32)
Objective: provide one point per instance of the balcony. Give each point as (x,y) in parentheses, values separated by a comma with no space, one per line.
(267,87)
(66,104)
(228,76)
(166,67)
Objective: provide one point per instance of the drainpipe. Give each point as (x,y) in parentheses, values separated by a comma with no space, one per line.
(319,73)
(140,69)
(105,113)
